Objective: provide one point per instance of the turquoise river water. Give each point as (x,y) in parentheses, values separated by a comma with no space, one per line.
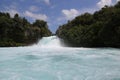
(47,60)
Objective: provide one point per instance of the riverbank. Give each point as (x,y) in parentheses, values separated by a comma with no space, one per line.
(100,29)
(18,31)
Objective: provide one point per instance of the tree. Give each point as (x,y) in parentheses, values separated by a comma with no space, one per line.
(100,29)
(18,31)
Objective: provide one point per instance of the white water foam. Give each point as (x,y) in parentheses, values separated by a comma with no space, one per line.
(49,42)
(48,60)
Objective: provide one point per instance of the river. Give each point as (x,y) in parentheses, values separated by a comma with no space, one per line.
(48,60)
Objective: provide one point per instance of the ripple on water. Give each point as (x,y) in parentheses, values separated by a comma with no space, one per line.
(35,63)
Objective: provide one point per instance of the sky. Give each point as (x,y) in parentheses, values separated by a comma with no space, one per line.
(55,12)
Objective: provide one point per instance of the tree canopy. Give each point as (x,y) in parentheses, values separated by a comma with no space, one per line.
(18,31)
(100,29)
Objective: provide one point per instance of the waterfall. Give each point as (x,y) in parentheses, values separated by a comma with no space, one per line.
(52,41)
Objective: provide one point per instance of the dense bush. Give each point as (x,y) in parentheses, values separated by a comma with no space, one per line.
(18,31)
(101,29)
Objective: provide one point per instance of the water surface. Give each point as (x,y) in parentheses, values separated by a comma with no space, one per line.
(39,62)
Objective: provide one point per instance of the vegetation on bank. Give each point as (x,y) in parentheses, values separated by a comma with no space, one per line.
(101,29)
(18,31)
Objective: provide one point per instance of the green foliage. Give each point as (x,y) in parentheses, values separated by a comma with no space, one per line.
(43,27)
(101,29)
(18,31)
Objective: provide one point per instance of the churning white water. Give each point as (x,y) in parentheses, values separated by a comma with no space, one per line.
(52,41)
(40,62)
